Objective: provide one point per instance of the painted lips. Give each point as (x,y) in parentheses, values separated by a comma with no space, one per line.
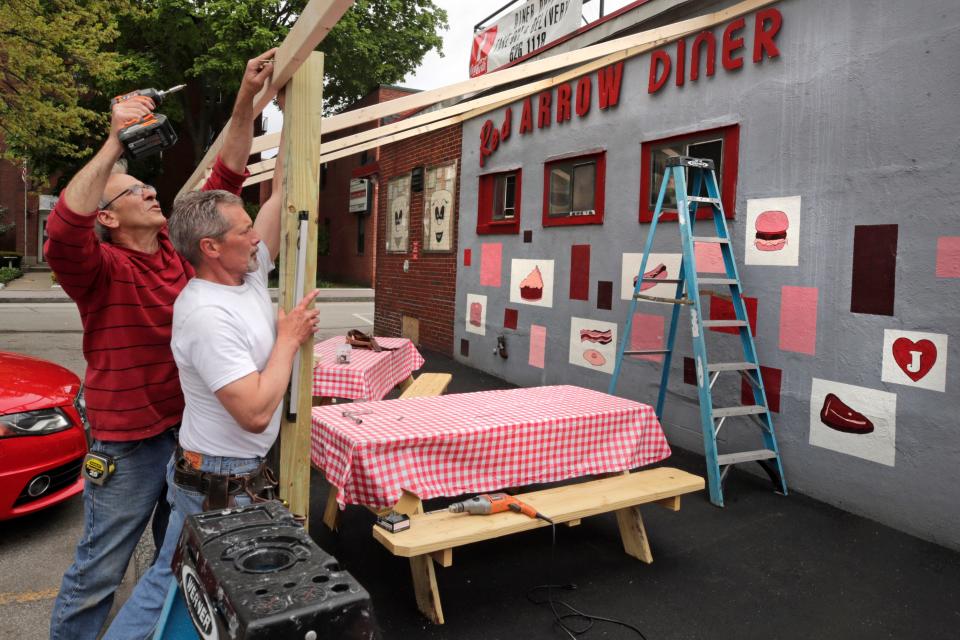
(771,229)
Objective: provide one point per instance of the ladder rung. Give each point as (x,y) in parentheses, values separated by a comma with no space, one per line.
(745,456)
(724,323)
(712,239)
(646,352)
(643,296)
(745,410)
(662,280)
(717,281)
(703,200)
(731,366)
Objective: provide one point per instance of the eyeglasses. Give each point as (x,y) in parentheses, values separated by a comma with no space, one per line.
(134,190)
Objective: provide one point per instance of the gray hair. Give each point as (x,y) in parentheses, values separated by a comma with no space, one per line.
(196,216)
(120,166)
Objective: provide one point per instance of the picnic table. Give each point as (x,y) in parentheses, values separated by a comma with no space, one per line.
(370,375)
(396,453)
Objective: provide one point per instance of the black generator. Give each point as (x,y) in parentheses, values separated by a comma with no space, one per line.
(252,573)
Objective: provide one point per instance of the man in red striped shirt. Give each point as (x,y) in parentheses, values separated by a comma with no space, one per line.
(124,284)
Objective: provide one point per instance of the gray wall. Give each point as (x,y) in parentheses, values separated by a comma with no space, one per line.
(860,116)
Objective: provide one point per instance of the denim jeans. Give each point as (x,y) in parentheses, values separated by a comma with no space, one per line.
(139,615)
(115,515)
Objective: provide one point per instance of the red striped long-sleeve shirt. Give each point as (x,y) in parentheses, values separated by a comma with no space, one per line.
(125,298)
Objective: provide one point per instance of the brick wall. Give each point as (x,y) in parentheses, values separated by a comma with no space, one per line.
(11,197)
(344,262)
(427,292)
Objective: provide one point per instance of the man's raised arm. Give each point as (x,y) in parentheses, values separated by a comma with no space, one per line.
(84,191)
(239,135)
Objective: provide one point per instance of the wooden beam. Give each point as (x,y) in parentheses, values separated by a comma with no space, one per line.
(652,38)
(260,177)
(301,193)
(313,25)
(427,122)
(264,142)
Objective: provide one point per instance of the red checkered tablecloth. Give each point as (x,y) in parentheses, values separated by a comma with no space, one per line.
(370,375)
(475,442)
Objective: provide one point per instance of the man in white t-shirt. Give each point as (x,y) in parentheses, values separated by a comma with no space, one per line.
(234,356)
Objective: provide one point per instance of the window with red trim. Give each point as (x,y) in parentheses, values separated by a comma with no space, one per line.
(498,207)
(573,190)
(720,145)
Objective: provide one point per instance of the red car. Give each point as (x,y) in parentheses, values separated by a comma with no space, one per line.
(43,435)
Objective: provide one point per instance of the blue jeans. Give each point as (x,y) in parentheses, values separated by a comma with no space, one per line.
(115,515)
(139,615)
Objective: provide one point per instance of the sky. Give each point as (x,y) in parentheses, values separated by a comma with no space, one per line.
(462,15)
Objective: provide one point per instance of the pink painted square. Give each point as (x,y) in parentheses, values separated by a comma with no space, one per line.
(948,257)
(490,262)
(798,319)
(709,257)
(647,334)
(538,345)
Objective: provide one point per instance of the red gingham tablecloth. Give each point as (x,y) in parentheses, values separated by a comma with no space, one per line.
(369,375)
(475,442)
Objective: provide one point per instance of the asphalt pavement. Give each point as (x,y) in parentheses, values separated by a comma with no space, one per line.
(766,566)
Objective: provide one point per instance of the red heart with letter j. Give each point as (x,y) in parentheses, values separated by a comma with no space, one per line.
(915,358)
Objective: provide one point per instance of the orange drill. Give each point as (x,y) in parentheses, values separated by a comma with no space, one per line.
(488,503)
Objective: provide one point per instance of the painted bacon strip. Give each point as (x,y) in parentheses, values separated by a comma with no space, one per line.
(593,335)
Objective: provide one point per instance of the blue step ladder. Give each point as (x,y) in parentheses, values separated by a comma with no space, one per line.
(712,418)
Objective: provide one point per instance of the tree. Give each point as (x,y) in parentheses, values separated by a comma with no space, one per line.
(206,43)
(64,59)
(54,54)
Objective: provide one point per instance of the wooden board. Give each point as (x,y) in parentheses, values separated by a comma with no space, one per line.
(428,384)
(440,530)
(311,27)
(301,193)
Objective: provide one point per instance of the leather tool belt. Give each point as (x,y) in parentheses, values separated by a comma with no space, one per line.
(220,491)
(360,340)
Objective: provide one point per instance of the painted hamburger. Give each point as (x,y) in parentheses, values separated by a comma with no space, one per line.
(771,229)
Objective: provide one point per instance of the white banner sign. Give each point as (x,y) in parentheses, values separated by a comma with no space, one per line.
(533,25)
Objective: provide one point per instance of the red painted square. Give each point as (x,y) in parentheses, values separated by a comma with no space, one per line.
(771,384)
(509,318)
(948,257)
(464,347)
(689,371)
(467,257)
(605,294)
(722,309)
(580,272)
(646,334)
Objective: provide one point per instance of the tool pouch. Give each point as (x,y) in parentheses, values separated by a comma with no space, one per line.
(360,340)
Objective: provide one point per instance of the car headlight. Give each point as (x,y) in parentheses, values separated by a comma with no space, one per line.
(33,423)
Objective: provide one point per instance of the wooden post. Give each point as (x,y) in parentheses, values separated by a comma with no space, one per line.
(301,194)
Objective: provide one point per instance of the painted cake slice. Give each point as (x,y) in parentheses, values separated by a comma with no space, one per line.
(531,287)
(837,415)
(476,310)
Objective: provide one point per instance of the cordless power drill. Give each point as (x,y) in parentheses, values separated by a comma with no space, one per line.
(149,134)
(488,503)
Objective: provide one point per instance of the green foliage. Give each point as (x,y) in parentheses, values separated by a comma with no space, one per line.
(378,42)
(55,55)
(9,273)
(62,61)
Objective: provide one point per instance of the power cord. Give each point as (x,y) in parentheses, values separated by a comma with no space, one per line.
(561,618)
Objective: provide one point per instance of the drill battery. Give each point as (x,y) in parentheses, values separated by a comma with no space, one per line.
(147,136)
(150,134)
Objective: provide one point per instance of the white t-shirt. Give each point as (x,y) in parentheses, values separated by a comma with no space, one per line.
(222,333)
